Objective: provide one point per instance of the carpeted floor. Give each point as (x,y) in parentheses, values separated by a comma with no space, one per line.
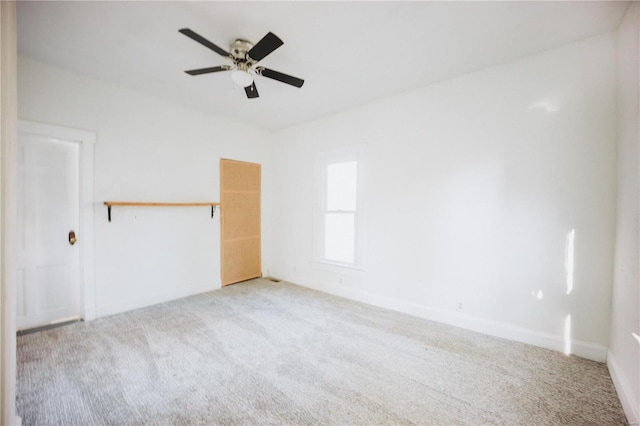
(274,353)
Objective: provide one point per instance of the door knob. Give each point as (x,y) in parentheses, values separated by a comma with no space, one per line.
(72,237)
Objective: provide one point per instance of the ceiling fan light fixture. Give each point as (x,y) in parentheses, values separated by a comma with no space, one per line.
(242,78)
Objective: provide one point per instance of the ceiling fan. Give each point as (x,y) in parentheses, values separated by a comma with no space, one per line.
(245,56)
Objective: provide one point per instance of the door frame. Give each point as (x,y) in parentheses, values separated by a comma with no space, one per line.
(86,141)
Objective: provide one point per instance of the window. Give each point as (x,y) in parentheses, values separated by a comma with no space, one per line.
(340,211)
(337,233)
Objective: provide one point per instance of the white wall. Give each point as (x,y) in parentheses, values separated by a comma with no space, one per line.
(624,352)
(147,149)
(472,186)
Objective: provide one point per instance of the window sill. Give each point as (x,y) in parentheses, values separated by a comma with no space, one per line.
(327,265)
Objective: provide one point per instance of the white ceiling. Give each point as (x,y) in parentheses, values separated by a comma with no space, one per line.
(348,53)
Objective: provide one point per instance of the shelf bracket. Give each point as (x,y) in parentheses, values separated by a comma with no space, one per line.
(213,210)
(109,211)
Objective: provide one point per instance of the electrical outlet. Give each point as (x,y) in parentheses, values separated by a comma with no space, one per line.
(460,306)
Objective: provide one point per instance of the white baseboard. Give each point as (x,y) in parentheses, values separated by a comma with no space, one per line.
(89,312)
(129,305)
(620,381)
(588,350)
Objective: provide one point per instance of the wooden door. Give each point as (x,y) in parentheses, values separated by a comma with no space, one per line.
(240,221)
(48,287)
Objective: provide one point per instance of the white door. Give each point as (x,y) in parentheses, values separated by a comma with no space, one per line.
(48,211)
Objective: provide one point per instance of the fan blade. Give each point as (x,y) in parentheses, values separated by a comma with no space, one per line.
(266,45)
(203,41)
(208,70)
(294,81)
(251,91)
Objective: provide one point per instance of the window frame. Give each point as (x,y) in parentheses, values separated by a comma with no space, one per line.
(323,161)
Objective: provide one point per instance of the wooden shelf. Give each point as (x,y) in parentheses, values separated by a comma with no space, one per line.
(213,205)
(137,203)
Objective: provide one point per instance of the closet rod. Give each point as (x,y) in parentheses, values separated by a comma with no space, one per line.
(147,204)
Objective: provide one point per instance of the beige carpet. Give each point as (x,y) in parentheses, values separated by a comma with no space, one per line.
(275,353)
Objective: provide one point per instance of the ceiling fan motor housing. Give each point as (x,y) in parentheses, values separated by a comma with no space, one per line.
(239,49)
